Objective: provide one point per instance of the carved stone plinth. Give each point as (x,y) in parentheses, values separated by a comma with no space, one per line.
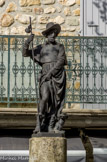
(47,149)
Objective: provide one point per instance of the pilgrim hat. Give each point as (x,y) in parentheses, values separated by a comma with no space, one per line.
(51,26)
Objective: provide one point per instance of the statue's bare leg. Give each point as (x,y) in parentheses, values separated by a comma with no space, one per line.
(45,94)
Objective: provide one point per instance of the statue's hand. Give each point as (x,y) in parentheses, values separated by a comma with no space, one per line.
(30,38)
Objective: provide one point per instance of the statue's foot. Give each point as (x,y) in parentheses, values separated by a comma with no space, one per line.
(51,130)
(36,130)
(58,131)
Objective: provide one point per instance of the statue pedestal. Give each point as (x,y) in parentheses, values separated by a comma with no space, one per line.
(47,147)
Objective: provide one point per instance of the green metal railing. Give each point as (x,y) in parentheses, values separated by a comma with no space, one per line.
(86,70)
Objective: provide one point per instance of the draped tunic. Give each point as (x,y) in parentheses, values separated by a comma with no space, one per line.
(52,59)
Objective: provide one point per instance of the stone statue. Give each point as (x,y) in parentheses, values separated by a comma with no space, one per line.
(52,79)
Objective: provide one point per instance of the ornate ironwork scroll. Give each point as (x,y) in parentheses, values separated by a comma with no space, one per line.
(86,70)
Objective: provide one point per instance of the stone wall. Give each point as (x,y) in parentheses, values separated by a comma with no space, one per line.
(14,16)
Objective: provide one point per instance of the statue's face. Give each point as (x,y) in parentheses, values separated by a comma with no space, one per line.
(51,36)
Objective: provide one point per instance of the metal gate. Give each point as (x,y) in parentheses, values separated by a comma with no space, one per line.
(94,24)
(86,71)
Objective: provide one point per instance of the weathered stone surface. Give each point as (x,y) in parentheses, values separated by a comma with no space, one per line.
(51,20)
(72,21)
(76,12)
(77,85)
(63,2)
(0,29)
(79,20)
(33,26)
(41,27)
(2,2)
(49,10)
(68,84)
(67,2)
(38,10)
(67,11)
(6,20)
(14,30)
(26,9)
(71,29)
(65,34)
(74,106)
(58,19)
(58,9)
(47,149)
(69,54)
(5,31)
(78,31)
(64,8)
(78,2)
(11,7)
(70,2)
(25,3)
(43,19)
(18,30)
(47,2)
(37,33)
(24,19)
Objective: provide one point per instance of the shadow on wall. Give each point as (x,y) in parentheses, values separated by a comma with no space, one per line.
(102,8)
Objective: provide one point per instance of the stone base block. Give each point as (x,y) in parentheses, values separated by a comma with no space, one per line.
(47,149)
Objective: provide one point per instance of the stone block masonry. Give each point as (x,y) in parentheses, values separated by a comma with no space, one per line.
(47,149)
(14,16)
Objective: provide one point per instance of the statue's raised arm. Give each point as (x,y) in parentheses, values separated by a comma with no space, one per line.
(28,52)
